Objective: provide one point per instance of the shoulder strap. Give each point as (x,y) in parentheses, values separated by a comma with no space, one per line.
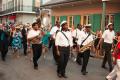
(85,39)
(56,32)
(76,32)
(65,36)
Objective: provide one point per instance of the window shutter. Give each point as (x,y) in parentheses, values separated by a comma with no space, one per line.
(77,19)
(117,22)
(62,18)
(53,21)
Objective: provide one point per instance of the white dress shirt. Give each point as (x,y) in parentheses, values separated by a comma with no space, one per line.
(108,36)
(61,40)
(83,36)
(53,31)
(75,33)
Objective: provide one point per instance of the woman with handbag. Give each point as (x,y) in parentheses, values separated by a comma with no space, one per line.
(116,57)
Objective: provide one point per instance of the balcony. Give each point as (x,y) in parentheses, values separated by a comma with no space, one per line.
(26,9)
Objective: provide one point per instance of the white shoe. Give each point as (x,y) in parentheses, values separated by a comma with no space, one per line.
(108,78)
(74,60)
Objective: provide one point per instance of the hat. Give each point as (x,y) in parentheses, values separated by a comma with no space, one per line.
(88,26)
(109,24)
(63,22)
(17,27)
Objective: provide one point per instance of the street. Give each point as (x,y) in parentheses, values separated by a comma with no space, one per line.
(22,69)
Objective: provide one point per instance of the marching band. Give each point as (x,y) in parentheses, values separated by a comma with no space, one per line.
(64,40)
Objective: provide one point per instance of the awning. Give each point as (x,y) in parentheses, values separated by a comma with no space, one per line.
(12,17)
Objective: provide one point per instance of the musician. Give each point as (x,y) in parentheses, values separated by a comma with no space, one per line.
(63,42)
(108,37)
(52,41)
(85,38)
(34,37)
(75,34)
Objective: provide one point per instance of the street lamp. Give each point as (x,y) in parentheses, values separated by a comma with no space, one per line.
(103,14)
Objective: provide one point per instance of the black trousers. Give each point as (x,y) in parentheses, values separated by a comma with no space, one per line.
(4,50)
(79,58)
(63,59)
(25,48)
(107,58)
(55,53)
(37,50)
(85,56)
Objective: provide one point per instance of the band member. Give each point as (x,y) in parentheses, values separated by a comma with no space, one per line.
(75,35)
(84,39)
(34,36)
(108,37)
(63,42)
(52,41)
(116,54)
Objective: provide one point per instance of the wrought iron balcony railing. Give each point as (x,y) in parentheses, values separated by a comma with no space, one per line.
(18,8)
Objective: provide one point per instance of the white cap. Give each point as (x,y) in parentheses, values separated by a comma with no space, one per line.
(109,24)
(88,25)
(63,22)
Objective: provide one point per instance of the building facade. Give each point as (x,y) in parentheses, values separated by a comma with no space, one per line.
(18,11)
(84,12)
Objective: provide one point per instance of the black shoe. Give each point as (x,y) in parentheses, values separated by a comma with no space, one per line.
(92,56)
(36,67)
(3,59)
(64,76)
(104,67)
(84,72)
(110,69)
(59,75)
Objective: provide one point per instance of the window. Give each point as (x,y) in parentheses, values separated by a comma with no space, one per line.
(86,19)
(57,18)
(109,19)
(4,8)
(70,21)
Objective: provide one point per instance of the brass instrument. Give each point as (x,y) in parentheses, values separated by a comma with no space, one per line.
(86,47)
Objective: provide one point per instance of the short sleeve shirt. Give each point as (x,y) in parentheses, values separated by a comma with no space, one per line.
(108,36)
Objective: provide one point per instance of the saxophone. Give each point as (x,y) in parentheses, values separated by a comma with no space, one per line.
(88,46)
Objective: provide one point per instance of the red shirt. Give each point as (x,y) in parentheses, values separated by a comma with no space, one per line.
(118,55)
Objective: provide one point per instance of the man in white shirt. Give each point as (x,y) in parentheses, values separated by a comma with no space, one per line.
(63,42)
(52,41)
(75,34)
(108,37)
(85,37)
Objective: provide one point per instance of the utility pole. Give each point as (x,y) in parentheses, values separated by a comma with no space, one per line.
(103,14)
